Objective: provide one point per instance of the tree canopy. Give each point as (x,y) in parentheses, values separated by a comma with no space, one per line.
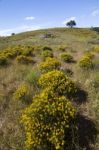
(71,23)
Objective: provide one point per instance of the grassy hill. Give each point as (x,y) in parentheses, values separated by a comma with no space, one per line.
(24,58)
(60,36)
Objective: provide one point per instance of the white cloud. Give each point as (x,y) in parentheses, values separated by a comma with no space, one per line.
(95,12)
(30,18)
(5,32)
(23,28)
(68,19)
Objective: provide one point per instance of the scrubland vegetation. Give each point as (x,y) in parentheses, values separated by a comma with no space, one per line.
(49,90)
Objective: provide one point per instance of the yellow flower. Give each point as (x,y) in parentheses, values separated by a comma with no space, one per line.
(49,64)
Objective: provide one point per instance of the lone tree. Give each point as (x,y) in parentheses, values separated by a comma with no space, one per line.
(71,23)
(13,34)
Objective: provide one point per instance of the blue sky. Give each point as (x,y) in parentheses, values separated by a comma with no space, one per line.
(25,15)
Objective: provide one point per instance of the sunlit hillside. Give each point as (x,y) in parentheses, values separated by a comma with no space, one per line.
(49,90)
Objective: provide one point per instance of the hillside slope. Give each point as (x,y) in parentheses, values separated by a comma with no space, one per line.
(24,58)
(61,36)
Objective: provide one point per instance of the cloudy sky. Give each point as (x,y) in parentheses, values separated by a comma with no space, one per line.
(25,15)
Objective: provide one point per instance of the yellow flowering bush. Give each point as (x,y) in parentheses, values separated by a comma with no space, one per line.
(23,50)
(13,52)
(24,59)
(46,120)
(49,116)
(23,93)
(8,53)
(49,64)
(86,63)
(66,57)
(90,55)
(58,82)
(96,48)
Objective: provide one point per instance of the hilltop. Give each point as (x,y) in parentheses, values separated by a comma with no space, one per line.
(60,36)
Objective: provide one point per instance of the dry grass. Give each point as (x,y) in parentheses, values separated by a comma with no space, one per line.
(13,75)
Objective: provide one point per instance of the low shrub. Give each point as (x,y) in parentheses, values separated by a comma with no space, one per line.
(86,63)
(96,48)
(90,55)
(46,54)
(66,57)
(11,54)
(49,64)
(24,59)
(3,60)
(47,48)
(58,83)
(46,120)
(23,93)
(24,50)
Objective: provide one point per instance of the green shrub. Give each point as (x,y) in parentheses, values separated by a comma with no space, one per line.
(49,64)
(46,54)
(66,57)
(46,120)
(58,83)
(32,78)
(25,59)
(86,63)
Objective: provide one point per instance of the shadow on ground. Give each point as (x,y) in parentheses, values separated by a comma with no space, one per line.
(80,96)
(81,135)
(87,132)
